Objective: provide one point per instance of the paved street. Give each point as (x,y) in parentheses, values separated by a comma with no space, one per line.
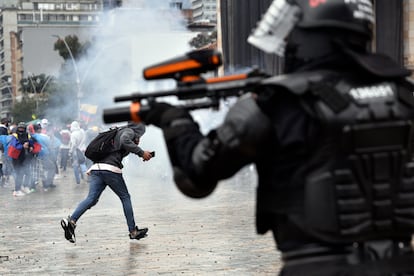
(212,236)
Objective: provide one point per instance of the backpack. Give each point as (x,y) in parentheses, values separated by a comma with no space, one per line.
(102,145)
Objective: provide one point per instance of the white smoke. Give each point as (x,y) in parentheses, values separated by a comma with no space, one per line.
(139,34)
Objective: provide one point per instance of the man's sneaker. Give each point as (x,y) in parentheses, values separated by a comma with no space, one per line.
(29,190)
(69,228)
(26,190)
(137,234)
(18,193)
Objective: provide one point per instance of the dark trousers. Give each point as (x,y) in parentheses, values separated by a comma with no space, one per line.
(64,157)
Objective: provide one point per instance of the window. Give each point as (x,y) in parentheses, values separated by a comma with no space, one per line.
(72,6)
(53,17)
(46,6)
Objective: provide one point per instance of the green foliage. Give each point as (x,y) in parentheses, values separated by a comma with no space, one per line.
(35,92)
(23,111)
(63,101)
(36,84)
(74,45)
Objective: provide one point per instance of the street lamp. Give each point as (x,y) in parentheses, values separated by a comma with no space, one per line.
(78,85)
(31,82)
(38,95)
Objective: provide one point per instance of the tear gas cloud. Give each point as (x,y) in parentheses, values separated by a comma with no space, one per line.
(139,34)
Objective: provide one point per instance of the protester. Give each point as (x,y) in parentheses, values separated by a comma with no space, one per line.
(2,179)
(7,167)
(64,148)
(44,123)
(108,172)
(4,126)
(76,151)
(46,158)
(21,151)
(35,167)
(331,141)
(55,144)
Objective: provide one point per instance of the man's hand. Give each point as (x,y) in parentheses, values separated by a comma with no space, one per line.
(146,156)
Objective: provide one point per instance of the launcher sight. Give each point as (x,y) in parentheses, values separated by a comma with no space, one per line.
(185,68)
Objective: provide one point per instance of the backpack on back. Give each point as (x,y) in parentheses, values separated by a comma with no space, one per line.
(102,145)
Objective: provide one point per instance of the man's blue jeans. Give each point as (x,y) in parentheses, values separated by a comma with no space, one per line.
(98,180)
(79,170)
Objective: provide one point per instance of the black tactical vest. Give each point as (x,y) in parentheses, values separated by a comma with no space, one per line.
(361,185)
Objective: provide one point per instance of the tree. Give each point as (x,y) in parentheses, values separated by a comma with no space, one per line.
(36,84)
(36,90)
(75,46)
(22,111)
(66,98)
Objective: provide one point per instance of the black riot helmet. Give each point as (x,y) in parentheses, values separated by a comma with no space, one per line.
(305,30)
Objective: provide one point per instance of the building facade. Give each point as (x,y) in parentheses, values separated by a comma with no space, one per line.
(28,28)
(204,10)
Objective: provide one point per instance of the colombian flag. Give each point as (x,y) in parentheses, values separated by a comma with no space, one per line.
(88,112)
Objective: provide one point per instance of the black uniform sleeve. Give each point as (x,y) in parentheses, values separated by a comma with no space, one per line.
(200,162)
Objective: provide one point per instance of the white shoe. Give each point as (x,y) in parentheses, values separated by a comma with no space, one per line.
(26,190)
(18,193)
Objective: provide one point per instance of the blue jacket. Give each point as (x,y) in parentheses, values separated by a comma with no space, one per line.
(45,142)
(5,140)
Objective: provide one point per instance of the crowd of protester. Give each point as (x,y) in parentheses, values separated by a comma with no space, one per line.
(34,154)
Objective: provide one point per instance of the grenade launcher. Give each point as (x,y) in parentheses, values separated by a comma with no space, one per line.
(191,86)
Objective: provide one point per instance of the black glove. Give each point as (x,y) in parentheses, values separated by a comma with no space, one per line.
(162,114)
(172,120)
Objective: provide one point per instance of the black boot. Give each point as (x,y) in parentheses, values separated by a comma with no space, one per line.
(137,234)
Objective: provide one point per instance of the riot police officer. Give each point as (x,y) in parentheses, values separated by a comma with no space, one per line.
(331,140)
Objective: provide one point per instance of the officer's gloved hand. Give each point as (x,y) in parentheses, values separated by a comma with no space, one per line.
(172,120)
(162,114)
